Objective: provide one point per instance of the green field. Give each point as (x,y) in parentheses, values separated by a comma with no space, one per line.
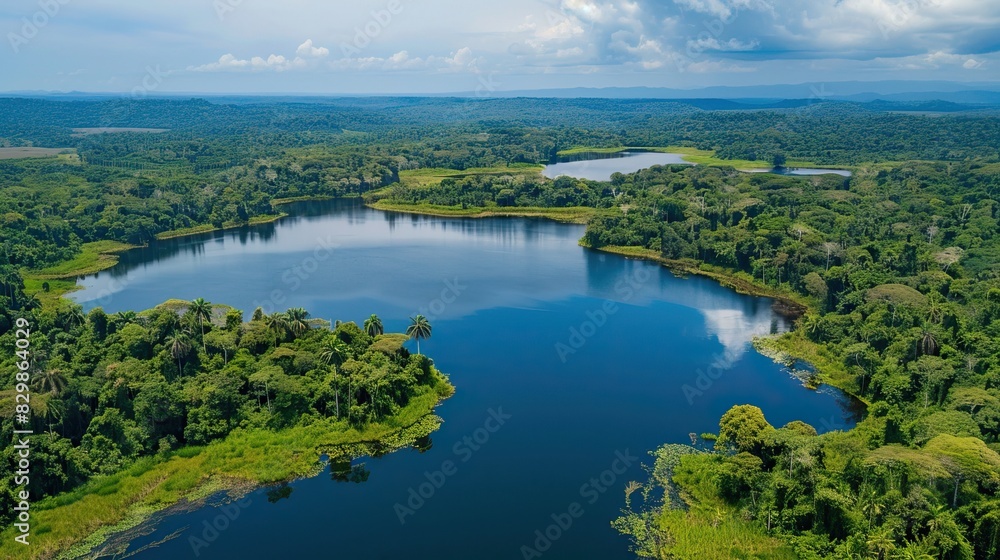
(23,153)
(575,214)
(111,129)
(94,257)
(206,228)
(428,177)
(692,155)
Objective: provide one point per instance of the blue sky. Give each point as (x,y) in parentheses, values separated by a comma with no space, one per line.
(417,46)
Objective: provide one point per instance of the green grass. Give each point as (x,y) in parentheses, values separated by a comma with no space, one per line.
(692,155)
(795,345)
(57,289)
(432,176)
(305,198)
(31,152)
(81,519)
(206,228)
(574,214)
(94,257)
(710,529)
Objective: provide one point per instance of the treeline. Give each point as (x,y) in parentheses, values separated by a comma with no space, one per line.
(49,208)
(108,389)
(503,190)
(460,133)
(788,493)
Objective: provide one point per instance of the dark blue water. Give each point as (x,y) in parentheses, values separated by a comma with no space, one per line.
(591,355)
(803,171)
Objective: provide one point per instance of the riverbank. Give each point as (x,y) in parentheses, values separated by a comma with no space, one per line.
(695,156)
(788,303)
(207,228)
(574,215)
(50,284)
(74,523)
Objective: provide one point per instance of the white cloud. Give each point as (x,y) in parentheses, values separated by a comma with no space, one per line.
(275,62)
(230,62)
(716,66)
(708,43)
(307,49)
(461,60)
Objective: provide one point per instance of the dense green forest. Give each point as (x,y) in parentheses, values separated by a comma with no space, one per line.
(898,266)
(118,387)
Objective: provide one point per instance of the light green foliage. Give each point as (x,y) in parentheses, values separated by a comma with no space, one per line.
(742,427)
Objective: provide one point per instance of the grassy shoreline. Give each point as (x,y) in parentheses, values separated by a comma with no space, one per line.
(207,228)
(696,156)
(794,304)
(76,522)
(575,214)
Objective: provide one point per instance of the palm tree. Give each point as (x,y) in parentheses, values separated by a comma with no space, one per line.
(73,317)
(297,320)
(917,551)
(50,381)
(334,351)
(202,311)
(50,408)
(419,328)
(928,343)
(127,316)
(179,346)
(881,543)
(373,325)
(277,323)
(812,325)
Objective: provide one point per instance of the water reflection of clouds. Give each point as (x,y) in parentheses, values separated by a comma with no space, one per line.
(735,328)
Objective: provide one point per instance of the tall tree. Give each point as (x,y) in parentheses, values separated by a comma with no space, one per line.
(202,310)
(419,328)
(373,325)
(179,346)
(297,317)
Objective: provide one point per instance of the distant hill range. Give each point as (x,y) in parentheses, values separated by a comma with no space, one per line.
(906,91)
(917,96)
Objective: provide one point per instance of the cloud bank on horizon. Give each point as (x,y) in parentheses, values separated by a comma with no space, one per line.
(417,46)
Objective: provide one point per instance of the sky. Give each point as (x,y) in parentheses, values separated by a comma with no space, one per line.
(432,46)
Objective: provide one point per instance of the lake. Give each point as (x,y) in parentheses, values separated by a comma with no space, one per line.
(597,166)
(804,171)
(589,359)
(600,166)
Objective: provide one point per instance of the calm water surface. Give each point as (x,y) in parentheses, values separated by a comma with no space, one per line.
(806,171)
(601,168)
(502,295)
